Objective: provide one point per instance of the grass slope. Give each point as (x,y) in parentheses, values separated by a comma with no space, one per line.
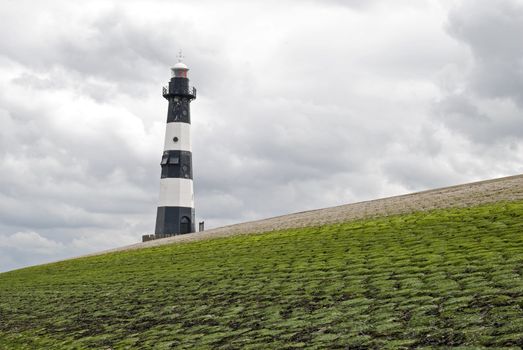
(434,279)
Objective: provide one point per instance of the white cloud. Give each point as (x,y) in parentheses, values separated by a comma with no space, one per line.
(30,242)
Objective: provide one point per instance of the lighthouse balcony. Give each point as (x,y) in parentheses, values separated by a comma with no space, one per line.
(171,90)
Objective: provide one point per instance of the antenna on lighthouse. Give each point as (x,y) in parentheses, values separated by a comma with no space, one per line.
(179,70)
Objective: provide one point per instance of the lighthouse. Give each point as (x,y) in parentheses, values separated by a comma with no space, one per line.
(175,214)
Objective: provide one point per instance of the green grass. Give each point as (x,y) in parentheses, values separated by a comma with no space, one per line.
(448,278)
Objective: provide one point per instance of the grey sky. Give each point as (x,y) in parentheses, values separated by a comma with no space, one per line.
(301,105)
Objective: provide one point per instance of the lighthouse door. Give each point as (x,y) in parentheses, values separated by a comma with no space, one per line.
(185,225)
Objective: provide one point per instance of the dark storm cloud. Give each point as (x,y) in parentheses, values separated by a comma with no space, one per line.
(488,105)
(493,35)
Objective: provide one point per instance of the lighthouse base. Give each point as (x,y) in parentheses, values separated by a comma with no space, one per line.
(146,238)
(174,220)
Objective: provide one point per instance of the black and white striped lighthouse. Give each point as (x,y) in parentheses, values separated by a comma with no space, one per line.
(175,213)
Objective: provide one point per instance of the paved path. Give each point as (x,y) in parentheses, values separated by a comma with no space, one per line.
(503,189)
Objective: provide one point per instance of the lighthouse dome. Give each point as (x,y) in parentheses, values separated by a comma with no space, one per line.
(180,65)
(179,70)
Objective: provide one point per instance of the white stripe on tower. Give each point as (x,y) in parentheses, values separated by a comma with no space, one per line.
(176,192)
(177,137)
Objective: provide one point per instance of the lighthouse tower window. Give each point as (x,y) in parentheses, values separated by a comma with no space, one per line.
(165,158)
(174,160)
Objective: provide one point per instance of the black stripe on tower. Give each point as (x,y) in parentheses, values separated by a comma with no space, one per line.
(177,164)
(179,95)
(174,220)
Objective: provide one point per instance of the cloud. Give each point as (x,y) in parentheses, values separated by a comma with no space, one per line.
(485,103)
(27,247)
(30,241)
(490,33)
(30,247)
